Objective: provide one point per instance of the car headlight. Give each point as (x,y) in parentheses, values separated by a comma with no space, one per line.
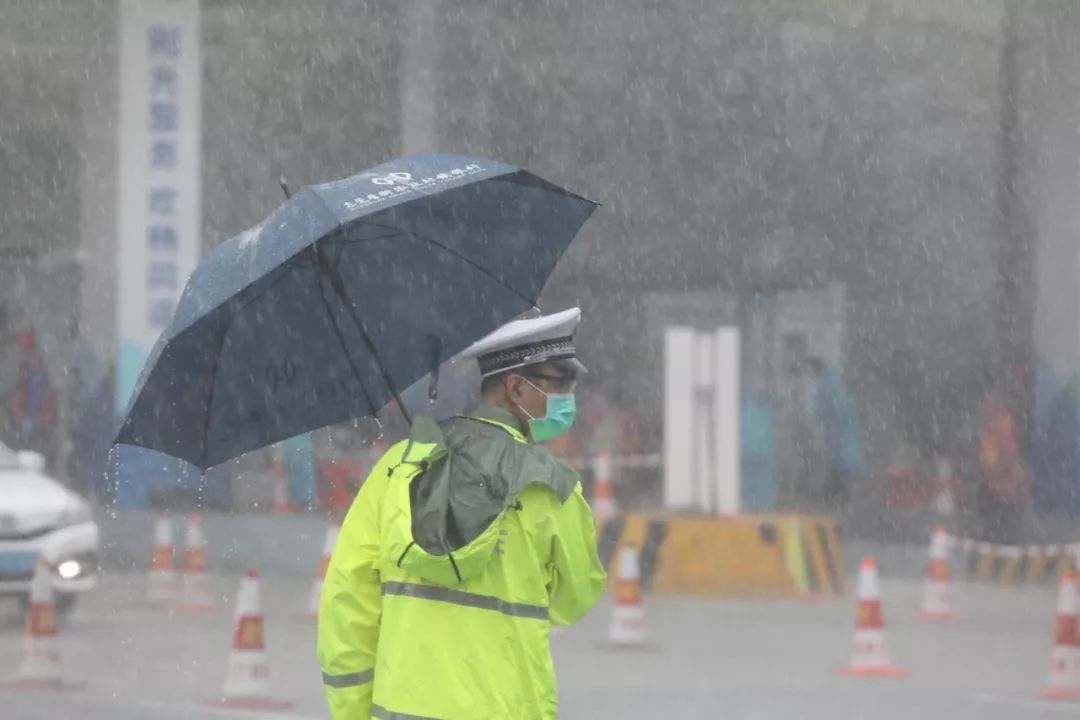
(69,569)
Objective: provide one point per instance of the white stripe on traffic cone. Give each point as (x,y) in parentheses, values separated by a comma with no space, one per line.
(196,594)
(869,653)
(603,503)
(41,667)
(328,549)
(628,627)
(1064,682)
(282,505)
(937,595)
(161,578)
(247,680)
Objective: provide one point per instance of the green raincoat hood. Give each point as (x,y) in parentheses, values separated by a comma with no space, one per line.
(454,482)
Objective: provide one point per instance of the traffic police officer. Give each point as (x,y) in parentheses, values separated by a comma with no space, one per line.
(464,545)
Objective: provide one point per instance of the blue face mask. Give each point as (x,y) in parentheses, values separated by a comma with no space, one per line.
(561,411)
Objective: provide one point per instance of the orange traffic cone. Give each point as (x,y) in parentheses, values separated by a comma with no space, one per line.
(195,594)
(603,505)
(628,627)
(41,667)
(869,654)
(937,596)
(281,505)
(247,680)
(161,579)
(1064,682)
(328,550)
(945,491)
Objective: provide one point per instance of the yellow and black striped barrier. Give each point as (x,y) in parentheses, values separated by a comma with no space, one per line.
(1016,564)
(743,555)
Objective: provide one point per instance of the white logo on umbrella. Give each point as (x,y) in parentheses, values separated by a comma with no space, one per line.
(395,178)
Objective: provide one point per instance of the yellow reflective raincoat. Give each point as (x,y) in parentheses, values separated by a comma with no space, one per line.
(463,546)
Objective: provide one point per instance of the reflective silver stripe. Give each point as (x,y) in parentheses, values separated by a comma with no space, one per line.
(382,713)
(348,679)
(457,597)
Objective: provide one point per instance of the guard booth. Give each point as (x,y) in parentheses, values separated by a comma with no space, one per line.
(701,543)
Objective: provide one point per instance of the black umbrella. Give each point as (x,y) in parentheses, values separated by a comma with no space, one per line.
(347,294)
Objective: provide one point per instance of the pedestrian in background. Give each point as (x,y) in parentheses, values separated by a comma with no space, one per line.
(34,402)
(1002,493)
(841,442)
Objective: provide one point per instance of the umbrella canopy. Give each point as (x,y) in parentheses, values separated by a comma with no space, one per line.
(347,294)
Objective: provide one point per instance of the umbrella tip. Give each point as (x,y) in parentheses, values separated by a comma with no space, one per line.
(284,187)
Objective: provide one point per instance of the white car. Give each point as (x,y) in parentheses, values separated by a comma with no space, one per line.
(39,517)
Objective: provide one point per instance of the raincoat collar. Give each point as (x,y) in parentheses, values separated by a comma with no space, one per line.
(495,415)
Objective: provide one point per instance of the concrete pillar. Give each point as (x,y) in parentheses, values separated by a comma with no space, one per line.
(701,420)
(1050,77)
(97,193)
(419,79)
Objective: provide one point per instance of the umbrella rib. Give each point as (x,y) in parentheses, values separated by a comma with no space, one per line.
(213,386)
(286,269)
(285,272)
(451,251)
(339,288)
(344,345)
(322,264)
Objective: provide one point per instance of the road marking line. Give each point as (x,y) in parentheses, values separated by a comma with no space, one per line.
(198,711)
(1026,702)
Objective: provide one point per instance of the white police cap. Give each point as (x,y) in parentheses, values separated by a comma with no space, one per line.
(549,338)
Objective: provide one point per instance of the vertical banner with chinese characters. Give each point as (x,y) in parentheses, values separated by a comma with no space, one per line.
(159,203)
(158,208)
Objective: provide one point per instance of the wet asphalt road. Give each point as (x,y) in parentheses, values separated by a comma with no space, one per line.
(754,660)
